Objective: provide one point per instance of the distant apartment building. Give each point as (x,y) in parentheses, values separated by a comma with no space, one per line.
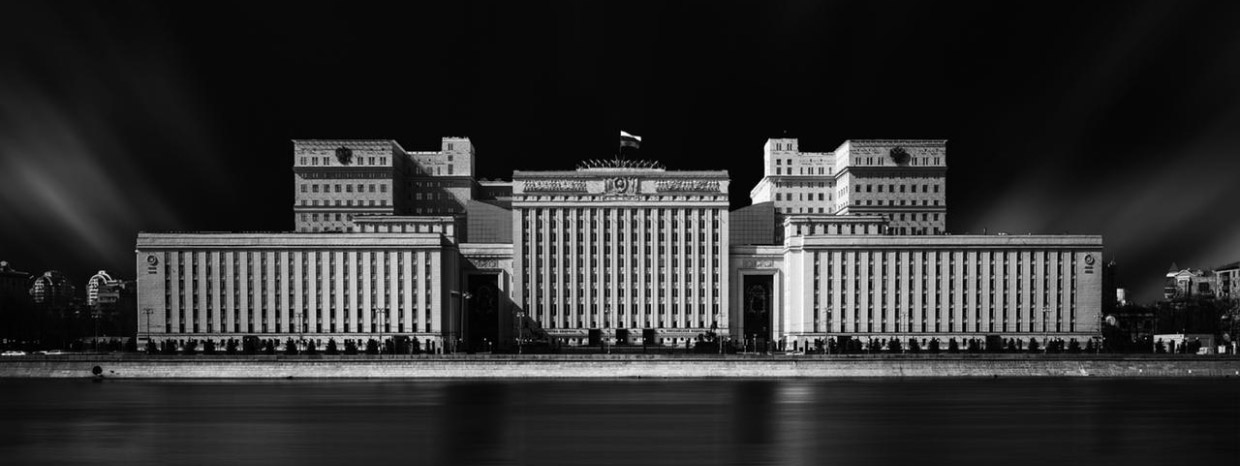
(1184,283)
(1227,279)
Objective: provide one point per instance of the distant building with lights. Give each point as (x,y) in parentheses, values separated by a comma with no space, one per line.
(392,243)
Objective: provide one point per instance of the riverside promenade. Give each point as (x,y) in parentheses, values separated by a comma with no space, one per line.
(596,366)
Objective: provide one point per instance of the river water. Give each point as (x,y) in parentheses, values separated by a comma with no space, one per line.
(909,422)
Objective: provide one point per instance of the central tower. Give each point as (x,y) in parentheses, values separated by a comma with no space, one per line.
(619,246)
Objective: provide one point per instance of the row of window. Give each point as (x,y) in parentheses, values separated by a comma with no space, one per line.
(316,328)
(348,187)
(356,160)
(891,188)
(912,160)
(893,202)
(667,317)
(801,197)
(889,288)
(806,170)
(805,210)
(345,203)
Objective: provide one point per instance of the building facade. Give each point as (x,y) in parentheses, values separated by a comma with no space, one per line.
(307,286)
(850,243)
(621,248)
(903,180)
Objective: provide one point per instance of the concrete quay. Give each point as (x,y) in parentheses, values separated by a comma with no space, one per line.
(611,366)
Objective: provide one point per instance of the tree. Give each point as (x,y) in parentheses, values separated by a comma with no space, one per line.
(415,345)
(1075,347)
(372,346)
(350,347)
(208,347)
(231,346)
(131,345)
(1011,345)
(974,346)
(150,347)
(913,347)
(893,345)
(190,348)
(331,347)
(1229,320)
(1160,347)
(952,346)
(290,347)
(170,347)
(269,347)
(1033,345)
(389,346)
(311,348)
(934,345)
(1089,346)
(250,345)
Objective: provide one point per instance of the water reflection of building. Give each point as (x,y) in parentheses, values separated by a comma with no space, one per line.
(390,242)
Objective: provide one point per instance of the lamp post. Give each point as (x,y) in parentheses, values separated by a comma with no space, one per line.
(387,317)
(94,316)
(516,324)
(377,313)
(298,315)
(461,335)
(148,311)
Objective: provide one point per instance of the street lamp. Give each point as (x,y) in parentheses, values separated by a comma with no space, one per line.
(148,311)
(516,324)
(387,318)
(461,320)
(377,313)
(298,316)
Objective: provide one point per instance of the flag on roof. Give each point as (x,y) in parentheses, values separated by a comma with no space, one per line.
(630,140)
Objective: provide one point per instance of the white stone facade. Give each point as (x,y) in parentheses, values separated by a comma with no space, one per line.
(277,286)
(902,180)
(622,249)
(616,250)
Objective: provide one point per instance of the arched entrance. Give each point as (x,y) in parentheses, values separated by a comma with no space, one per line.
(757,302)
(482,312)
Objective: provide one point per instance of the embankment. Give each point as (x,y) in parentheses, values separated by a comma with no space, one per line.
(612,366)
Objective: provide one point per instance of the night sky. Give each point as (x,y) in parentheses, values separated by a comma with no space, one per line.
(1083,117)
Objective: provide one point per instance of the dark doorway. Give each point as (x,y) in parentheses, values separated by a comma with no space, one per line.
(757,309)
(482,313)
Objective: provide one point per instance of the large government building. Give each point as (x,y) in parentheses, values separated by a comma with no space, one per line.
(390,243)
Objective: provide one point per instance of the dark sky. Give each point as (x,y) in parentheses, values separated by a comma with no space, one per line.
(1120,119)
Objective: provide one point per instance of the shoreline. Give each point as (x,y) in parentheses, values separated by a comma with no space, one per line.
(616,366)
